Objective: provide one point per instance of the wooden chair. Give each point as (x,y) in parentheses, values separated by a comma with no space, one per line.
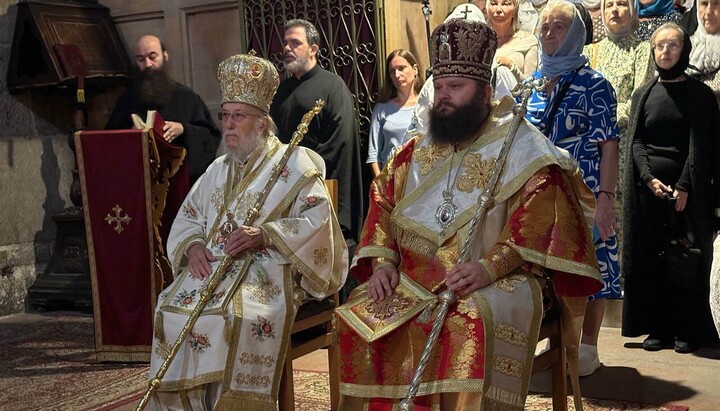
(554,358)
(312,330)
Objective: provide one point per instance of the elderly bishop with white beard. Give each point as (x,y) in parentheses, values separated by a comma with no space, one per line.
(233,356)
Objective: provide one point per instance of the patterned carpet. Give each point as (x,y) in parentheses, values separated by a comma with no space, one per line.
(312,394)
(46,364)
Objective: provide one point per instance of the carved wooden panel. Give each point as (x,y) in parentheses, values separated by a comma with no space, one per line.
(209,34)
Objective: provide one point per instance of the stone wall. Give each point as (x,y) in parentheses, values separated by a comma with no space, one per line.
(35,175)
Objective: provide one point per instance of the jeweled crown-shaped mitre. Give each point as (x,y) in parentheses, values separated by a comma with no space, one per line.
(249,79)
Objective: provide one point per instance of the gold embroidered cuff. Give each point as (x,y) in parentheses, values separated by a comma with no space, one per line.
(200,241)
(379,262)
(489,269)
(503,260)
(267,240)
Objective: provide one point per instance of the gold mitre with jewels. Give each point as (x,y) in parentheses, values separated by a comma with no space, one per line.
(463,48)
(249,79)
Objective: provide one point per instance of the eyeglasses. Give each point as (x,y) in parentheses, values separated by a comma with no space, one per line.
(236,116)
(670,45)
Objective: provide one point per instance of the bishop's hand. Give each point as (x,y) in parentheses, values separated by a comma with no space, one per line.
(383,282)
(242,239)
(199,259)
(465,278)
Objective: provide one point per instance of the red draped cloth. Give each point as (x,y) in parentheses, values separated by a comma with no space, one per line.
(124,178)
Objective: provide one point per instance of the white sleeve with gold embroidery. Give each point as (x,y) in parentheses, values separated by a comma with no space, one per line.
(311,241)
(191,223)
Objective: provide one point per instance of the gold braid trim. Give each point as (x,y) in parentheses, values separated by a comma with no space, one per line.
(245,401)
(497,399)
(375,251)
(159,328)
(227,329)
(489,269)
(190,383)
(123,356)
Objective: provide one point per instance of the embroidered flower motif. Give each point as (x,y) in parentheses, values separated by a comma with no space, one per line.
(320,256)
(216,198)
(262,288)
(290,226)
(199,342)
(426,157)
(310,201)
(185,298)
(162,349)
(476,173)
(190,212)
(230,270)
(261,255)
(284,174)
(263,329)
(217,297)
(469,43)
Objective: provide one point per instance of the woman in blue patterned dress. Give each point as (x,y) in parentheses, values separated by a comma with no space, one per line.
(577,112)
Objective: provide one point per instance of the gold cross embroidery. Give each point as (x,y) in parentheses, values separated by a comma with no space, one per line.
(388,307)
(117,219)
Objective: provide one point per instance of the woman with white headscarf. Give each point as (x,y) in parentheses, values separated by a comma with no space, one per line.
(653,14)
(577,111)
(705,54)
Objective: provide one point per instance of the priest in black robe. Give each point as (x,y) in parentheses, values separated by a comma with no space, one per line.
(333,133)
(188,120)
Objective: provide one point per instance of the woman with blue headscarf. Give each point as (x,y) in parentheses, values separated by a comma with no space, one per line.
(577,112)
(653,14)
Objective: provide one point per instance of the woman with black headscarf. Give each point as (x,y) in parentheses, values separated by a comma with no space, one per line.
(674,150)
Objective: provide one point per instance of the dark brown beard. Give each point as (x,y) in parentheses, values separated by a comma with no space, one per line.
(462,124)
(154,87)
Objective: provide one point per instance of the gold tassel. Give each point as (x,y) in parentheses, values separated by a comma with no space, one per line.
(80,96)
(427,314)
(228,329)
(159,329)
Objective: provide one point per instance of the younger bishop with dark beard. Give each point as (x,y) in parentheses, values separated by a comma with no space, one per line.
(421,208)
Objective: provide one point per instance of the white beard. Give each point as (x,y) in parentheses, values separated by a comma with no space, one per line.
(245,147)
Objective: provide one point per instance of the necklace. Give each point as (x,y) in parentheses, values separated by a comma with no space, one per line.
(447,210)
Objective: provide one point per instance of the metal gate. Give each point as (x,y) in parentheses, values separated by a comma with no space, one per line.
(348,42)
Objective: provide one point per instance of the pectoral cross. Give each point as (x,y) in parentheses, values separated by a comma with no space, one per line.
(117,219)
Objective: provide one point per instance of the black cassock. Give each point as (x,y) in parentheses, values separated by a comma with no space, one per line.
(201,137)
(333,134)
